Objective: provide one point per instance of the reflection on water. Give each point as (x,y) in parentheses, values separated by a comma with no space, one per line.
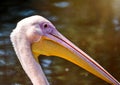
(92,25)
(61,4)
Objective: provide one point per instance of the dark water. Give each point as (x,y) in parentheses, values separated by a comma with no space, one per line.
(93,25)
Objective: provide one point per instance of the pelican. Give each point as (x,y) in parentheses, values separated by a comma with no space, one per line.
(35,35)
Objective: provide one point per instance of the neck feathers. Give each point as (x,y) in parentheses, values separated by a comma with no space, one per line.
(23,50)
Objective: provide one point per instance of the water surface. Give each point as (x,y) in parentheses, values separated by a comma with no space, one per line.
(94,26)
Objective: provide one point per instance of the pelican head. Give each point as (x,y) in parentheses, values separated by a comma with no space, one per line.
(36,35)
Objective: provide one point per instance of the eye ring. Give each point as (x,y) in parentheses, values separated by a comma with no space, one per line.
(45,25)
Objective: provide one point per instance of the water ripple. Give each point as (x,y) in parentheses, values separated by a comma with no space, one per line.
(62,4)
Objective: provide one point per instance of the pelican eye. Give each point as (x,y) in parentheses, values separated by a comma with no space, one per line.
(45,26)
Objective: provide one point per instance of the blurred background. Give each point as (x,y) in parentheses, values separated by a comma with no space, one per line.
(93,25)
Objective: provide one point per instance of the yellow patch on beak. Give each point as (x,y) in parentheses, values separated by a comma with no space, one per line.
(49,47)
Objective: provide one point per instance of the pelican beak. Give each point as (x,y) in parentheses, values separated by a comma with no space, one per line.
(55,44)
